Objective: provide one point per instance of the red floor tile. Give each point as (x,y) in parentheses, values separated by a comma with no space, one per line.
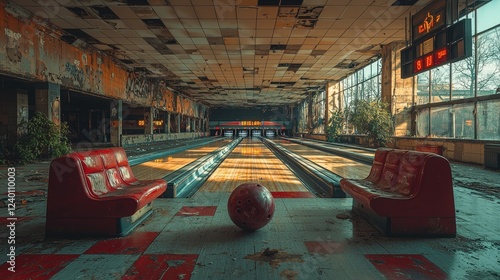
(168,266)
(4,221)
(292,194)
(197,211)
(135,243)
(402,267)
(35,266)
(324,247)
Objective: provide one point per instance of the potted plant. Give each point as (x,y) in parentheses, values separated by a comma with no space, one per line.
(373,119)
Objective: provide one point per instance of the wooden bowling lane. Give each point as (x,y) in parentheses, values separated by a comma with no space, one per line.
(252,161)
(341,166)
(161,167)
(343,147)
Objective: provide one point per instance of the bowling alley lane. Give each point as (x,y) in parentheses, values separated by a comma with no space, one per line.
(341,166)
(252,161)
(161,167)
(339,146)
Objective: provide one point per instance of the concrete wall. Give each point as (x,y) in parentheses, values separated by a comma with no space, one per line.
(397,91)
(469,151)
(130,140)
(36,53)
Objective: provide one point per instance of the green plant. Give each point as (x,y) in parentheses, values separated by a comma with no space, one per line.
(40,135)
(372,118)
(335,125)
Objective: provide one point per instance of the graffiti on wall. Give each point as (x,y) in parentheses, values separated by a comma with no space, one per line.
(83,73)
(75,75)
(12,47)
(55,111)
(32,51)
(141,89)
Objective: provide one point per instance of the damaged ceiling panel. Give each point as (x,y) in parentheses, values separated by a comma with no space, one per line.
(245,53)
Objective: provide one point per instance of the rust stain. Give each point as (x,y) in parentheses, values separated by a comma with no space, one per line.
(275,257)
(35,52)
(289,274)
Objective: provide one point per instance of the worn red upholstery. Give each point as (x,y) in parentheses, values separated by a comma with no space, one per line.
(412,196)
(88,194)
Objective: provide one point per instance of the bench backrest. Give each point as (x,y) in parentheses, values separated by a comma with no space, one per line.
(94,172)
(390,171)
(411,166)
(402,171)
(100,169)
(378,164)
(121,158)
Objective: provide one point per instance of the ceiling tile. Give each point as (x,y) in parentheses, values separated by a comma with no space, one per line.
(185,12)
(217,39)
(207,12)
(166,12)
(331,12)
(190,23)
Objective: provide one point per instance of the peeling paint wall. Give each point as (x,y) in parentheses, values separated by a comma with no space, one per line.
(397,91)
(35,52)
(131,140)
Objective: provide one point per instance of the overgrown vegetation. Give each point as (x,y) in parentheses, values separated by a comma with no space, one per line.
(335,125)
(372,118)
(41,137)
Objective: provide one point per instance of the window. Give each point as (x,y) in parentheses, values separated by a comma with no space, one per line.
(488,16)
(440,84)
(464,86)
(362,84)
(302,116)
(423,123)
(488,62)
(440,121)
(423,88)
(488,117)
(318,112)
(462,121)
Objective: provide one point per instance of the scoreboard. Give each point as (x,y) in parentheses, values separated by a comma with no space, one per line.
(435,42)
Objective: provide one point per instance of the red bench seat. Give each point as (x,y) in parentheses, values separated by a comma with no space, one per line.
(406,193)
(95,193)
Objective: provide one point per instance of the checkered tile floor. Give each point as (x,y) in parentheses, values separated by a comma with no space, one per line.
(195,239)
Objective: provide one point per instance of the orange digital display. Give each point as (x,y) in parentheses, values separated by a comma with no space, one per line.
(441,56)
(429,23)
(155,123)
(251,123)
(431,60)
(452,44)
(428,20)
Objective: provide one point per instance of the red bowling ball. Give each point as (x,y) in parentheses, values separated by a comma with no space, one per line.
(251,206)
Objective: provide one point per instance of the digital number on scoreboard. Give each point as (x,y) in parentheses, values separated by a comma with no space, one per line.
(434,41)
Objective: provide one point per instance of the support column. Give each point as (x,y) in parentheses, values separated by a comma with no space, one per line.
(396,91)
(116,129)
(326,121)
(48,101)
(13,111)
(167,123)
(178,118)
(148,120)
(188,124)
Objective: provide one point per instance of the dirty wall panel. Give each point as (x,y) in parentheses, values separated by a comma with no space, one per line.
(35,52)
(15,48)
(138,89)
(178,105)
(114,79)
(169,101)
